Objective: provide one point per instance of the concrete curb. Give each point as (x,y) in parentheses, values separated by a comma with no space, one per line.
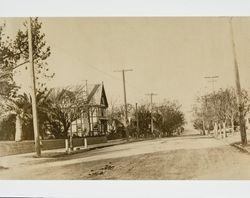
(82,150)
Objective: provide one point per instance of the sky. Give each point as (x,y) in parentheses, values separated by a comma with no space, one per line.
(170,56)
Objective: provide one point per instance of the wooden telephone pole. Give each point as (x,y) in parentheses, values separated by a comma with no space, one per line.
(125,100)
(137,121)
(238,90)
(151,104)
(213,80)
(33,92)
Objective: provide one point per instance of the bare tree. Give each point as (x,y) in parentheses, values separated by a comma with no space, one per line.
(220,108)
(65,106)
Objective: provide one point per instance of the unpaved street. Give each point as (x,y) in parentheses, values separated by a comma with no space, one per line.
(187,157)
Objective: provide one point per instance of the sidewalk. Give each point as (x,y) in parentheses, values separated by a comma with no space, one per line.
(231,138)
(235,140)
(12,161)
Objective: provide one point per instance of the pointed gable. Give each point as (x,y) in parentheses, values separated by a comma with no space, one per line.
(93,94)
(104,100)
(97,96)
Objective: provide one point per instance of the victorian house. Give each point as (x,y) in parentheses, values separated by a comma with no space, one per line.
(92,122)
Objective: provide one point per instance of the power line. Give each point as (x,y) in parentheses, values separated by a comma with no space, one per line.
(102,72)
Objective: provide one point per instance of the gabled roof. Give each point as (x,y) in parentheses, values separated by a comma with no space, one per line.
(97,95)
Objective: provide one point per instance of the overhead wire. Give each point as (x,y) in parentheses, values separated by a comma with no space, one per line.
(100,71)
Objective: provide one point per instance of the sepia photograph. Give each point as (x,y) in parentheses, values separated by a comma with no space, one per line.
(124,98)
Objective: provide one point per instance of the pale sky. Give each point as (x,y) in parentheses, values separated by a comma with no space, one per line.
(170,56)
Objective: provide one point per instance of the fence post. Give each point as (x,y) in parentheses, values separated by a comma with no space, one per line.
(67,145)
(85,143)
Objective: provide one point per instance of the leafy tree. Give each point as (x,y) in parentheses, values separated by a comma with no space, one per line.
(7,128)
(13,54)
(198,124)
(41,51)
(144,119)
(43,108)
(169,117)
(7,62)
(19,108)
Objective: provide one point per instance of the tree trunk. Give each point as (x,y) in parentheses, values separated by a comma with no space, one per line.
(69,136)
(19,129)
(203,128)
(232,124)
(219,132)
(224,129)
(71,147)
(215,129)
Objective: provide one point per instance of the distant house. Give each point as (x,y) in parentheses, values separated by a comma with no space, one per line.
(93,122)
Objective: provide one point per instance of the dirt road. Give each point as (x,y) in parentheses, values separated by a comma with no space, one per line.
(188,157)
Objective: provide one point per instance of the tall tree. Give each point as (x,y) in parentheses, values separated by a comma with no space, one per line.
(144,119)
(7,63)
(170,117)
(41,51)
(20,108)
(14,54)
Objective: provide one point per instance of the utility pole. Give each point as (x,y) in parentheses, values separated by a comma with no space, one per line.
(88,113)
(137,120)
(125,100)
(33,92)
(85,96)
(213,80)
(151,104)
(238,90)
(203,117)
